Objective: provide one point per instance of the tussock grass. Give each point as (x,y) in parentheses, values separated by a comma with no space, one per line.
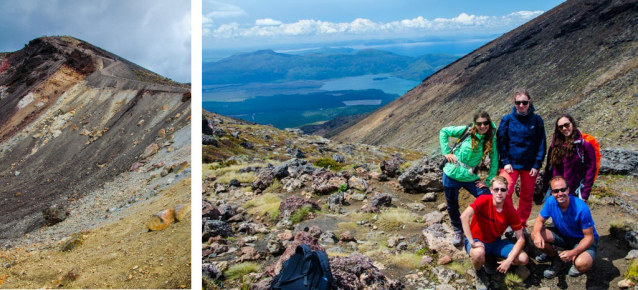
(264,205)
(460,268)
(405,260)
(347,226)
(241,270)
(632,271)
(275,187)
(394,219)
(513,281)
(300,214)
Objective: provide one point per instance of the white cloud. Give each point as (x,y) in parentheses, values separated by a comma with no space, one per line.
(218,10)
(309,27)
(267,22)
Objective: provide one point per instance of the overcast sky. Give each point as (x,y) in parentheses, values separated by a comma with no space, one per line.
(152,33)
(245,23)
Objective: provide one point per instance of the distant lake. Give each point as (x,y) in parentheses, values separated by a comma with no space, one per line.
(384,82)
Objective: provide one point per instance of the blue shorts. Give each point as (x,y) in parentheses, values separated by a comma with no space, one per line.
(499,248)
(568,243)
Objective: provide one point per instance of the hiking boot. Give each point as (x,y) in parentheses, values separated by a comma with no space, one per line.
(542,258)
(457,239)
(573,272)
(482,280)
(490,265)
(555,268)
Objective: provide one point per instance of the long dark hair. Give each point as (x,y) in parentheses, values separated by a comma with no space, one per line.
(562,146)
(487,147)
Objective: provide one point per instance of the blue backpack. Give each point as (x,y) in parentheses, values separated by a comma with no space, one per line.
(305,270)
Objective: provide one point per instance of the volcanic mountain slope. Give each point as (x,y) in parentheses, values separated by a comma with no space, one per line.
(89,132)
(580,58)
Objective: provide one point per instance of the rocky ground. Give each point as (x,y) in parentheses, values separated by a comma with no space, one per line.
(104,242)
(382,208)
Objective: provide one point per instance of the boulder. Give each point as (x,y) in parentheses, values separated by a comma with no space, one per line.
(300,238)
(429,197)
(150,150)
(218,248)
(423,176)
(357,183)
(275,246)
(234,183)
(619,161)
(438,237)
(632,239)
(161,220)
(249,254)
(293,167)
(210,211)
(227,211)
(381,199)
(338,158)
(54,214)
(358,272)
(211,271)
(315,231)
(207,126)
(182,211)
(335,201)
(415,206)
(328,237)
(325,182)
(209,140)
(247,145)
(434,217)
(445,275)
(391,167)
(263,180)
(293,203)
(347,236)
(213,228)
(291,184)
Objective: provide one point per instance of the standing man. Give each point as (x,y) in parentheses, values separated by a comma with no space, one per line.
(521,149)
(573,231)
(484,221)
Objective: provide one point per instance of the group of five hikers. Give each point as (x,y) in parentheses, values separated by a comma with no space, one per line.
(516,150)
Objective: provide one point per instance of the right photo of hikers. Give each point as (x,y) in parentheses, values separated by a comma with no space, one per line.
(426,145)
(493,230)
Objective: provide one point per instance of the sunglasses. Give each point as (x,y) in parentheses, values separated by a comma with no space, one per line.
(524,103)
(486,123)
(566,125)
(496,189)
(564,189)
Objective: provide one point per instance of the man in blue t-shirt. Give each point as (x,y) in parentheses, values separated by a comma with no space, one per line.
(573,231)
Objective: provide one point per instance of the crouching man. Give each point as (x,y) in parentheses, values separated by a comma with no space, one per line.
(573,231)
(484,221)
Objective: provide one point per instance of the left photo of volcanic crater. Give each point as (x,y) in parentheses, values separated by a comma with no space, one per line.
(95,169)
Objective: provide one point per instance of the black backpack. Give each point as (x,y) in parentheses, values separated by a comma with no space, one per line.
(306,269)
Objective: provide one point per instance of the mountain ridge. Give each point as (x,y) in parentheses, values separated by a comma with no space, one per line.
(538,56)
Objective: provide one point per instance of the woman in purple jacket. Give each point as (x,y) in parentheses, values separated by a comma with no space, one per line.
(572,157)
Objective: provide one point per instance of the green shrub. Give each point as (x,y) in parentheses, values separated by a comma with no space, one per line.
(513,281)
(328,163)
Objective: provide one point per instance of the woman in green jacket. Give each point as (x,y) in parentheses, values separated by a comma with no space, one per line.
(460,170)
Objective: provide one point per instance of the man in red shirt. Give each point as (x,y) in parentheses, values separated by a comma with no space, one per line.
(484,221)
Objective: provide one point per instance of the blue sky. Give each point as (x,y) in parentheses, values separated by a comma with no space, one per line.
(256,23)
(152,33)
